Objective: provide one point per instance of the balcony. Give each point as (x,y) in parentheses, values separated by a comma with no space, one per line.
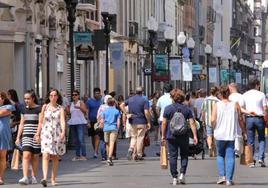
(87,5)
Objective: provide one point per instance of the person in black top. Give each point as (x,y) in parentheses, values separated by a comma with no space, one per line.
(176,142)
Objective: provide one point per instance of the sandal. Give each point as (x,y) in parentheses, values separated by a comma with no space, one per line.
(44,182)
(76,159)
(53,183)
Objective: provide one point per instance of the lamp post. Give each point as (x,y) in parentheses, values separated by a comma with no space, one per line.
(71,9)
(181,39)
(152,29)
(190,46)
(218,56)
(169,39)
(234,59)
(229,57)
(208,51)
(38,41)
(241,62)
(106,19)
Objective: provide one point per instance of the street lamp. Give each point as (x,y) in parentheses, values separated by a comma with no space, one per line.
(169,39)
(106,19)
(229,57)
(242,62)
(218,55)
(208,51)
(181,39)
(152,29)
(38,41)
(71,9)
(190,46)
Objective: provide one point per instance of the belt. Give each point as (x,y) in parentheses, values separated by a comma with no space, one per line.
(254,116)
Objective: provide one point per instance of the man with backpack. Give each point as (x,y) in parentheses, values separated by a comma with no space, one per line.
(175,131)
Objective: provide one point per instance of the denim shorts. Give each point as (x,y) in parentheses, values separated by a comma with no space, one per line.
(209,130)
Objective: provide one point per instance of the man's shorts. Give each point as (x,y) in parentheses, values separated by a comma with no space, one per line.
(91,130)
(110,136)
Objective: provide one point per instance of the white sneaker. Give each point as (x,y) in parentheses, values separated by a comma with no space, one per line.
(24,181)
(182,179)
(34,180)
(175,181)
(221,180)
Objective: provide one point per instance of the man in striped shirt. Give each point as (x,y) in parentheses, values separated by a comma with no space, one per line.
(206,118)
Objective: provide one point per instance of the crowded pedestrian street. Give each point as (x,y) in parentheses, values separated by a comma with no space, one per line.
(95,173)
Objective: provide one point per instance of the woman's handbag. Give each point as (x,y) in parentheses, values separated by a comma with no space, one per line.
(15,160)
(247,155)
(163,157)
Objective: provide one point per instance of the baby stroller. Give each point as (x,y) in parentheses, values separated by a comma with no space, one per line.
(196,149)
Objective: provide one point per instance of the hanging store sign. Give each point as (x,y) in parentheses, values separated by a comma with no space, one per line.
(187,71)
(175,69)
(212,75)
(83,45)
(160,71)
(238,78)
(196,69)
(117,55)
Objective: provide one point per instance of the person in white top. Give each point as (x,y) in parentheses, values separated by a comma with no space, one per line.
(164,101)
(236,97)
(226,116)
(77,125)
(254,106)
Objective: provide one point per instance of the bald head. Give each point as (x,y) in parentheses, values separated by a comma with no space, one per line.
(232,87)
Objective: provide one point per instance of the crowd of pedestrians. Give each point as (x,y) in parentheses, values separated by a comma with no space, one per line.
(223,120)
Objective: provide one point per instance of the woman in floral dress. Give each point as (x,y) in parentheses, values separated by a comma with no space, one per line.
(52,129)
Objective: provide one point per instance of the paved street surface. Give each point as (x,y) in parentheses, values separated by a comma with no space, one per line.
(129,174)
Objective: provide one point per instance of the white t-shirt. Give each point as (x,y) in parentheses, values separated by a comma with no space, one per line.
(238,98)
(254,101)
(162,102)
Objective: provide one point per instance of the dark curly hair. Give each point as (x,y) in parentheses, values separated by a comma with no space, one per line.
(59,101)
(3,96)
(177,95)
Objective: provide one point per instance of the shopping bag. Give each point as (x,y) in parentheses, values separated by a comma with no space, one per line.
(146,141)
(247,155)
(15,160)
(163,157)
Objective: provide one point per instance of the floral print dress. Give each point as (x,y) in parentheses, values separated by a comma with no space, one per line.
(50,134)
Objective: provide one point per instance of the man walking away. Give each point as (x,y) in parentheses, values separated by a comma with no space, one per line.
(206,119)
(236,97)
(254,107)
(139,118)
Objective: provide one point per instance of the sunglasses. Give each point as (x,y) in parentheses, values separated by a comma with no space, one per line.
(74,94)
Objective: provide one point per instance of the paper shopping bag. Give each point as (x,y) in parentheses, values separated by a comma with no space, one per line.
(163,157)
(247,155)
(15,160)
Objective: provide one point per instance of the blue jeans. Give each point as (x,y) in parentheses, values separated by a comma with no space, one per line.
(181,142)
(79,138)
(225,158)
(102,145)
(253,124)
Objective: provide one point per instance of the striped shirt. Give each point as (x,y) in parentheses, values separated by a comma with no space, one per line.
(207,108)
(31,116)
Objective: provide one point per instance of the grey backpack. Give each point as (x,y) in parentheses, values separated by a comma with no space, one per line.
(178,124)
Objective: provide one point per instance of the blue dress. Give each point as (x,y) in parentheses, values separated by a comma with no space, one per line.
(5,131)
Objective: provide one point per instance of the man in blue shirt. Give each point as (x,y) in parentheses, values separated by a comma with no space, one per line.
(93,105)
(139,118)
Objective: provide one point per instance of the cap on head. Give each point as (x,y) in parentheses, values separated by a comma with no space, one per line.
(139,90)
(106,98)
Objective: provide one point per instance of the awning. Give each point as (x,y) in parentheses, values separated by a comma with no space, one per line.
(7,3)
